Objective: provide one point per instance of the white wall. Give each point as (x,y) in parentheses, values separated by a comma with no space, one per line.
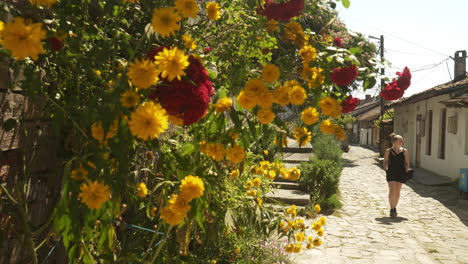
(456,156)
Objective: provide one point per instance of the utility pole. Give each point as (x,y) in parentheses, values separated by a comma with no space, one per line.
(382,86)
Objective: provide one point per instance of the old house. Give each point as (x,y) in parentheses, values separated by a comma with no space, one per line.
(434,124)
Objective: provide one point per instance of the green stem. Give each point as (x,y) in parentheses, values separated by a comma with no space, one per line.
(28,239)
(153,259)
(8,194)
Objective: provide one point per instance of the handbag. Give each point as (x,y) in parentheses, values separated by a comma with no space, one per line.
(409,175)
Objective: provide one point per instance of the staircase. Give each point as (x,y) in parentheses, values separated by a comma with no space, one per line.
(288,192)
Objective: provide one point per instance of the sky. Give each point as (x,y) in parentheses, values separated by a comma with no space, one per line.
(420,34)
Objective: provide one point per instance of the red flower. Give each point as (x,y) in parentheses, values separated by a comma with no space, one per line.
(283,11)
(392,92)
(405,78)
(348,104)
(207,50)
(150,55)
(188,98)
(55,44)
(337,42)
(344,76)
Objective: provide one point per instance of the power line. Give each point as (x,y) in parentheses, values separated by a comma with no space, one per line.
(430,66)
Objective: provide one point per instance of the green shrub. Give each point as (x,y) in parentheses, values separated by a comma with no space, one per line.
(327,148)
(320,177)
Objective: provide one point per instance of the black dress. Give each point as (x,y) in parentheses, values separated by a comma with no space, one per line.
(396,166)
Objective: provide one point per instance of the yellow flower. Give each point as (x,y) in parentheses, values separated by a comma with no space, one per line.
(251,192)
(265,99)
(281,95)
(175,211)
(213,261)
(291,30)
(265,152)
(143,73)
(189,42)
(271,26)
(314,76)
(281,140)
(235,154)
(308,53)
(317,208)
(320,232)
(223,104)
(256,182)
(176,120)
(339,132)
(327,127)
(270,73)
(291,224)
(310,246)
(259,201)
(330,107)
(255,86)
(217,152)
(97,130)
(237,250)
(142,191)
(289,248)
(129,98)
(213,11)
(292,210)
(323,220)
(94,194)
(302,135)
(79,174)
(317,242)
(234,174)
(248,184)
(233,135)
(297,248)
(148,121)
(191,187)
(270,174)
(23,38)
(300,237)
(297,95)
(316,226)
(294,174)
(247,100)
(172,63)
(310,116)
(165,21)
(187,8)
(153,211)
(265,116)
(47,3)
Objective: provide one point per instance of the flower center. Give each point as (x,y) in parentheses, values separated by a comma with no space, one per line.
(166,20)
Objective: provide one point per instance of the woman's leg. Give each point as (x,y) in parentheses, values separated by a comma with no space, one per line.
(397,190)
(391,194)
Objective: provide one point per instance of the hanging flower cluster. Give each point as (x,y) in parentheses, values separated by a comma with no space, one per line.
(344,76)
(281,11)
(349,104)
(396,89)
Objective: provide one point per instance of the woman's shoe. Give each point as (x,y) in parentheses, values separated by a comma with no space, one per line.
(393,213)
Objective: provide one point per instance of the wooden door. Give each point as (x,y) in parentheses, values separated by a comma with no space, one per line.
(418,141)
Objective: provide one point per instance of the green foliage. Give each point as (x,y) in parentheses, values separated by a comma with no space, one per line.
(326,147)
(320,178)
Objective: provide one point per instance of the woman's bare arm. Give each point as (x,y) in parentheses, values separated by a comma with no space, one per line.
(405,152)
(385,159)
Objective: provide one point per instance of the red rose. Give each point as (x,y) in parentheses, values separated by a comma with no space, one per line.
(344,76)
(405,78)
(337,42)
(188,98)
(55,44)
(282,11)
(207,50)
(392,92)
(349,104)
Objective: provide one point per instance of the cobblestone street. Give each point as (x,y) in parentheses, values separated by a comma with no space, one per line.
(432,226)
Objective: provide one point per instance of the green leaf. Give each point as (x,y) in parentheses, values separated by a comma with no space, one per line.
(187,148)
(355,50)
(369,83)
(9,124)
(346,3)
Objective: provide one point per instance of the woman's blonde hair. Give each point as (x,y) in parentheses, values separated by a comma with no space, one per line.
(395,137)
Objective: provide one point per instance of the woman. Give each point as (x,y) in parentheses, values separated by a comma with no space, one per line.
(396,165)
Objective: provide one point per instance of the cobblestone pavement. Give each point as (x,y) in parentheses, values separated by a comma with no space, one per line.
(432,226)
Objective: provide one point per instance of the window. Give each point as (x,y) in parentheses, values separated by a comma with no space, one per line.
(443,124)
(452,124)
(429,133)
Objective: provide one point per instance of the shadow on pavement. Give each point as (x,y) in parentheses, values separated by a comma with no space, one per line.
(448,195)
(348,163)
(389,221)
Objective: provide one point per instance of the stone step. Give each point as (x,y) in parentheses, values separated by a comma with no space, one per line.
(292,143)
(296,157)
(288,197)
(298,150)
(289,165)
(287,185)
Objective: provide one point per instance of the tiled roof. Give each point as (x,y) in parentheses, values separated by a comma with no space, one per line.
(457,101)
(372,114)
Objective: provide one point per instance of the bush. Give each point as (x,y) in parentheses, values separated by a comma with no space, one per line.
(321,177)
(327,148)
